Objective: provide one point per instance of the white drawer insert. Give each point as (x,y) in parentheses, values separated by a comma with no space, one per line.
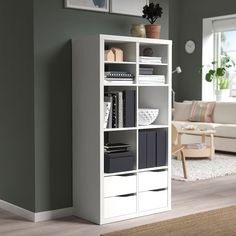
(151,200)
(150,180)
(120,205)
(119,185)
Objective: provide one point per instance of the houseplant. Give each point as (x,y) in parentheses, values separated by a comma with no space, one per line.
(218,73)
(152,12)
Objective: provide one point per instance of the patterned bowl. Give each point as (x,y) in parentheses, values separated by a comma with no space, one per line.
(147,116)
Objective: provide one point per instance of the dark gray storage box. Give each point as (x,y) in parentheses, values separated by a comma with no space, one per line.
(118,162)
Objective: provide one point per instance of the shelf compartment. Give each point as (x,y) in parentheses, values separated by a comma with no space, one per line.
(128,48)
(123,109)
(155,97)
(153,148)
(150,180)
(122,164)
(120,185)
(153,200)
(120,205)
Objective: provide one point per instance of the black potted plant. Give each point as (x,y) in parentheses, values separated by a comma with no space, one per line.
(152,12)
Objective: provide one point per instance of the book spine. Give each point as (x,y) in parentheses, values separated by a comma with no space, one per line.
(108,98)
(161,146)
(120,109)
(151,149)
(114,110)
(129,108)
(107,107)
(142,157)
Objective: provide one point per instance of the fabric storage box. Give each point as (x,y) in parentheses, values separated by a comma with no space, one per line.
(118,162)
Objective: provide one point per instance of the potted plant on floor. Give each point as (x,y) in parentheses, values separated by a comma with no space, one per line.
(152,12)
(219,74)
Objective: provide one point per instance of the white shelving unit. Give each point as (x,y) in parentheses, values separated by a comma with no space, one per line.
(108,197)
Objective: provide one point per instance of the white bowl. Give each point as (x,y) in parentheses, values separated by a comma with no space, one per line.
(147,116)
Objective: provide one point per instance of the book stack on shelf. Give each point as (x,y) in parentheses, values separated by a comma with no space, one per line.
(150,60)
(118,158)
(121,77)
(196,146)
(146,70)
(146,79)
(119,109)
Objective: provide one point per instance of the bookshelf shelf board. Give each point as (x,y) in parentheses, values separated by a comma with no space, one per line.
(120,173)
(119,85)
(120,129)
(120,62)
(152,85)
(153,64)
(152,126)
(153,168)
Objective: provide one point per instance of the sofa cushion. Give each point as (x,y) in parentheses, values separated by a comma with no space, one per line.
(202,111)
(225,113)
(226,130)
(182,111)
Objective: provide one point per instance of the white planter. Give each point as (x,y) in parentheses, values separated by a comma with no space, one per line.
(222,94)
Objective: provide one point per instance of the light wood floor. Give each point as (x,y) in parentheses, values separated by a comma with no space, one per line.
(187,198)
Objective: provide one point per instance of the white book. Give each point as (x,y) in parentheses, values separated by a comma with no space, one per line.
(120,109)
(107,108)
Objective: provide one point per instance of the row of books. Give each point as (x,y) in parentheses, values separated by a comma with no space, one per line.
(119,109)
(143,59)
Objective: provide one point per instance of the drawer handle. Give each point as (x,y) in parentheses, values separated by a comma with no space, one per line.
(127,195)
(158,190)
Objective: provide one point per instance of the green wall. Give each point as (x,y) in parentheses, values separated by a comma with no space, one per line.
(54,27)
(17,104)
(189,26)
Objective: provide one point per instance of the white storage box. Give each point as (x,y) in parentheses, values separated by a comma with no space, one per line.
(151,180)
(119,185)
(151,200)
(120,205)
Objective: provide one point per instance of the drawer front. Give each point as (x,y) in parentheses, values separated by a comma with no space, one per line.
(119,185)
(151,180)
(120,205)
(151,200)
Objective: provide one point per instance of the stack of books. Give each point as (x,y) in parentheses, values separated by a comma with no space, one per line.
(196,146)
(146,71)
(119,77)
(121,112)
(156,60)
(159,79)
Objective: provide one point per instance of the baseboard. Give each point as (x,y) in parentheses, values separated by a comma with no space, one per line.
(29,215)
(36,217)
(50,215)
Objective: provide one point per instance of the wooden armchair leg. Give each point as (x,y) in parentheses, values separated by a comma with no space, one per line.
(184,164)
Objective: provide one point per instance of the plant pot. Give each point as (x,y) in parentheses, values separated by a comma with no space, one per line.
(153,31)
(138,30)
(222,94)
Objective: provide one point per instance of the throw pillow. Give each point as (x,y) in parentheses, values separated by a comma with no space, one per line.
(182,111)
(202,111)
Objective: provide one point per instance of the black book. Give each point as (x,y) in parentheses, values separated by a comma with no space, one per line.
(129,108)
(115,111)
(161,147)
(151,149)
(142,158)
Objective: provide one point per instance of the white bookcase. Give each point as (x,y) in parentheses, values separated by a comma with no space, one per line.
(108,197)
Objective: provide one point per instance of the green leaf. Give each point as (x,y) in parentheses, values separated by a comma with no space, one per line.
(220,71)
(209,77)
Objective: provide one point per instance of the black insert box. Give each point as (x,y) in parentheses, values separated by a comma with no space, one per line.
(118,162)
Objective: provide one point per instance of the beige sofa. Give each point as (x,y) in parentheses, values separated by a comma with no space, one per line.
(224,117)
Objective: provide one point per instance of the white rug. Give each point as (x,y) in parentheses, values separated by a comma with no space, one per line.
(199,169)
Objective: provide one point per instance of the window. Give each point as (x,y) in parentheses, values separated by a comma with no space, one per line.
(219,39)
